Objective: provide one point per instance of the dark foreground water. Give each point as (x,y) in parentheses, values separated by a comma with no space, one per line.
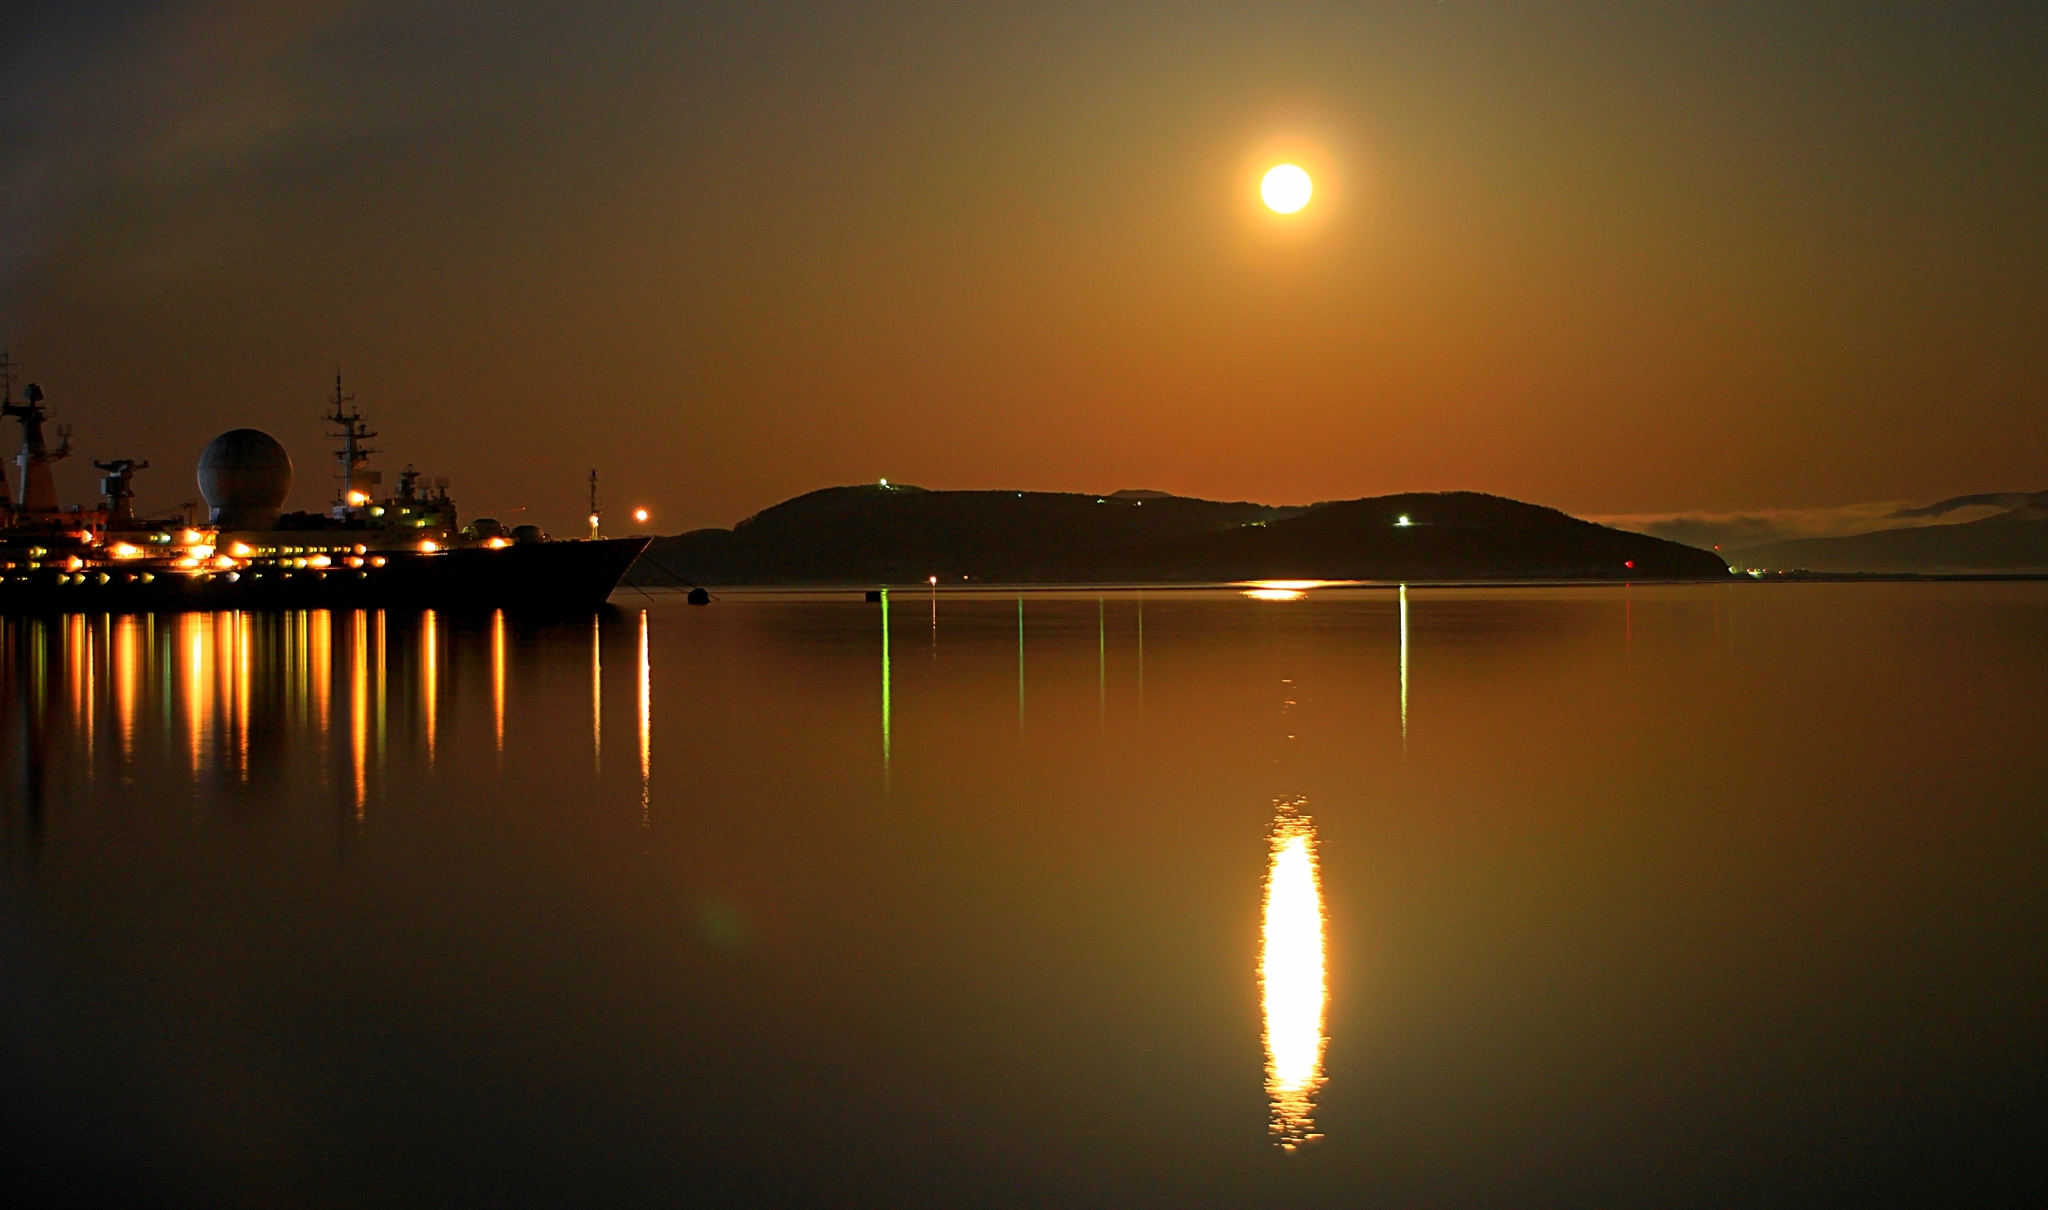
(1666,896)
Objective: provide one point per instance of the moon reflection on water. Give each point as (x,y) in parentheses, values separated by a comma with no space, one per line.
(1291,976)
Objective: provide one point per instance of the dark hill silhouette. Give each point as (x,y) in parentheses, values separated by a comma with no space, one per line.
(898,535)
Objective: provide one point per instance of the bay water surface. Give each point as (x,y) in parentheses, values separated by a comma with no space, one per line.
(1345,896)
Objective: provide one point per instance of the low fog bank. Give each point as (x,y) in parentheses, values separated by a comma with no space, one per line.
(1732,531)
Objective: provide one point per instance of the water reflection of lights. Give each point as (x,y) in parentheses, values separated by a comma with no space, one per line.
(78,645)
(321,643)
(242,679)
(380,688)
(1141,658)
(498,674)
(646,721)
(885,690)
(1291,977)
(127,670)
(1404,669)
(197,676)
(1101,665)
(359,704)
(596,693)
(430,675)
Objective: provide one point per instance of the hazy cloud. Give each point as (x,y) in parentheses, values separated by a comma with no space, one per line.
(1732,531)
(152,98)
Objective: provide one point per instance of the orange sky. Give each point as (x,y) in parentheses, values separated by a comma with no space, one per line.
(1618,259)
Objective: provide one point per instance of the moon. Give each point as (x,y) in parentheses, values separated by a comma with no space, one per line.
(1286,189)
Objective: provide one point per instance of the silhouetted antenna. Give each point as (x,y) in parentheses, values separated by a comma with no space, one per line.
(119,488)
(6,376)
(353,431)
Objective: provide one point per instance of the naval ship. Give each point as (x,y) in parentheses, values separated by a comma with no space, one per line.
(404,549)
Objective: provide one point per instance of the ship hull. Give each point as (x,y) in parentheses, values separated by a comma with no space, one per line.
(544,577)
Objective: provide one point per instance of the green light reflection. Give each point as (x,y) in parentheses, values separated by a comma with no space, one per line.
(1404,670)
(885,689)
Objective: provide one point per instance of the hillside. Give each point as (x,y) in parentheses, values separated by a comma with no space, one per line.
(897,535)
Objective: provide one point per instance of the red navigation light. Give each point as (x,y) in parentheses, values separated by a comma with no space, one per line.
(1630,564)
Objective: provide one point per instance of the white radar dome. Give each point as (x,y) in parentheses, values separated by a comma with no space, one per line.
(245,476)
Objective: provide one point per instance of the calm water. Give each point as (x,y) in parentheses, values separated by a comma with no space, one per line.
(1675,896)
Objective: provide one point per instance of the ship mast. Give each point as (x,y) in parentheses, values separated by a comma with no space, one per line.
(355,483)
(6,408)
(38,485)
(593,505)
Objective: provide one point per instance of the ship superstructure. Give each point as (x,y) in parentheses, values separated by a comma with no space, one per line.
(404,548)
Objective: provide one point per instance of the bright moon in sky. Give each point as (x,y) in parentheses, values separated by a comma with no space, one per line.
(1286,189)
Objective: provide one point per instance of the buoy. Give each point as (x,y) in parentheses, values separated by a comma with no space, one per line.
(699,597)
(874,595)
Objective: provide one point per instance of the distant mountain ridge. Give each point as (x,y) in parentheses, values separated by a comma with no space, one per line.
(2012,541)
(894,534)
(2019,502)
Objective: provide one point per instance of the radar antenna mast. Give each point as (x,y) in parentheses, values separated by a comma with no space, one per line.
(38,486)
(6,408)
(354,430)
